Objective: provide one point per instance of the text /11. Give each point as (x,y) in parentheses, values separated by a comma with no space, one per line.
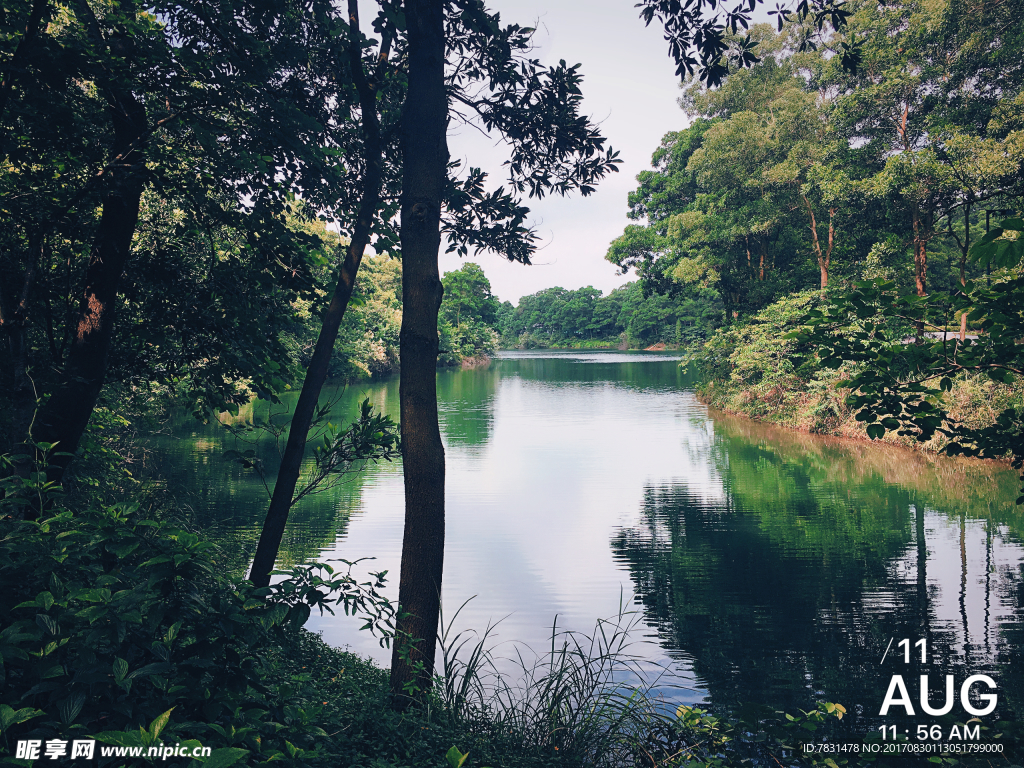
(922,644)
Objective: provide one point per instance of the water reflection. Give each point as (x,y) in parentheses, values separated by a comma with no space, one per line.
(790,588)
(770,566)
(228,503)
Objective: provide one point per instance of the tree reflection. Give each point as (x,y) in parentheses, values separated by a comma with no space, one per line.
(787,588)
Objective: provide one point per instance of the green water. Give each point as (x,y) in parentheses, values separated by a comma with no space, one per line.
(766,566)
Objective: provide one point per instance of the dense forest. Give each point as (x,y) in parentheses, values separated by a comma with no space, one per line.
(860,229)
(797,174)
(189,196)
(626,317)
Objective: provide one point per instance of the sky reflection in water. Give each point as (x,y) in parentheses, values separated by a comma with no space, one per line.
(770,566)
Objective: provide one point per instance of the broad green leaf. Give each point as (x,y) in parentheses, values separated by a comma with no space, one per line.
(159,723)
(456,758)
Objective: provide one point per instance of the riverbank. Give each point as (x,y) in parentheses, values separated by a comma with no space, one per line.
(818,407)
(756,369)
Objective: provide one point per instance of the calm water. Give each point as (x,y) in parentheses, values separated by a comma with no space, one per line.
(766,566)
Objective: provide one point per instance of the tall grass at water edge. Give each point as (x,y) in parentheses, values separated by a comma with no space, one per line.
(590,700)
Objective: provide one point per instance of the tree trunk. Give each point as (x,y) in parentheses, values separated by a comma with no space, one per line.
(965,250)
(921,233)
(64,417)
(316,373)
(824,259)
(425,159)
(920,254)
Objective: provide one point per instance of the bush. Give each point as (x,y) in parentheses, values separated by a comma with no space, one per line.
(113,622)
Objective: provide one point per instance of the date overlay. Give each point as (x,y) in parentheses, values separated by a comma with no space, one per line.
(925,711)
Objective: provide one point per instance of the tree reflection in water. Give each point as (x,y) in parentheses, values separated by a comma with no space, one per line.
(788,588)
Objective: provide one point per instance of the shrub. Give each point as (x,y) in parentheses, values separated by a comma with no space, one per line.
(113,622)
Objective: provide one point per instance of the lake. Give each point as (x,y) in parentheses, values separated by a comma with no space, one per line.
(764,566)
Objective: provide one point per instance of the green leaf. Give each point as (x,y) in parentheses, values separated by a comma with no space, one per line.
(93,595)
(875,431)
(157,560)
(455,758)
(120,738)
(9,716)
(159,722)
(55,671)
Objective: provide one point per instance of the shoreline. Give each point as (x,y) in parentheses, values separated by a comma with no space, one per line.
(848,432)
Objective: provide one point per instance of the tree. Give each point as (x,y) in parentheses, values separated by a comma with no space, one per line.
(553,149)
(467,293)
(914,107)
(734,201)
(468,316)
(367,84)
(184,107)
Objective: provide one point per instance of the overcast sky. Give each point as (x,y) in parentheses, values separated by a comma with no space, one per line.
(630,89)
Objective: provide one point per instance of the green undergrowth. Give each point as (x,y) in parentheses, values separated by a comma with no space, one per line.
(757,369)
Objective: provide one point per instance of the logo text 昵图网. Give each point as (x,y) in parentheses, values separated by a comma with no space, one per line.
(86,749)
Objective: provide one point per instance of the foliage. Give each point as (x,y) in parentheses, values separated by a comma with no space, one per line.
(115,622)
(467,316)
(559,317)
(795,168)
(756,358)
(698,35)
(190,299)
(754,199)
(573,704)
(494,83)
(815,363)
(898,383)
(225,142)
(372,437)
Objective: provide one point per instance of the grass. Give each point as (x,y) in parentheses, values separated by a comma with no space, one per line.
(585,700)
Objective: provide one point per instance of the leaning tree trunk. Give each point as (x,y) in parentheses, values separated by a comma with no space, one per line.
(316,373)
(824,258)
(425,160)
(63,418)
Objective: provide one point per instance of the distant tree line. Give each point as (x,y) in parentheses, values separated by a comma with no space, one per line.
(625,317)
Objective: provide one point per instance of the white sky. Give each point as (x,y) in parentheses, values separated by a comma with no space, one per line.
(630,88)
